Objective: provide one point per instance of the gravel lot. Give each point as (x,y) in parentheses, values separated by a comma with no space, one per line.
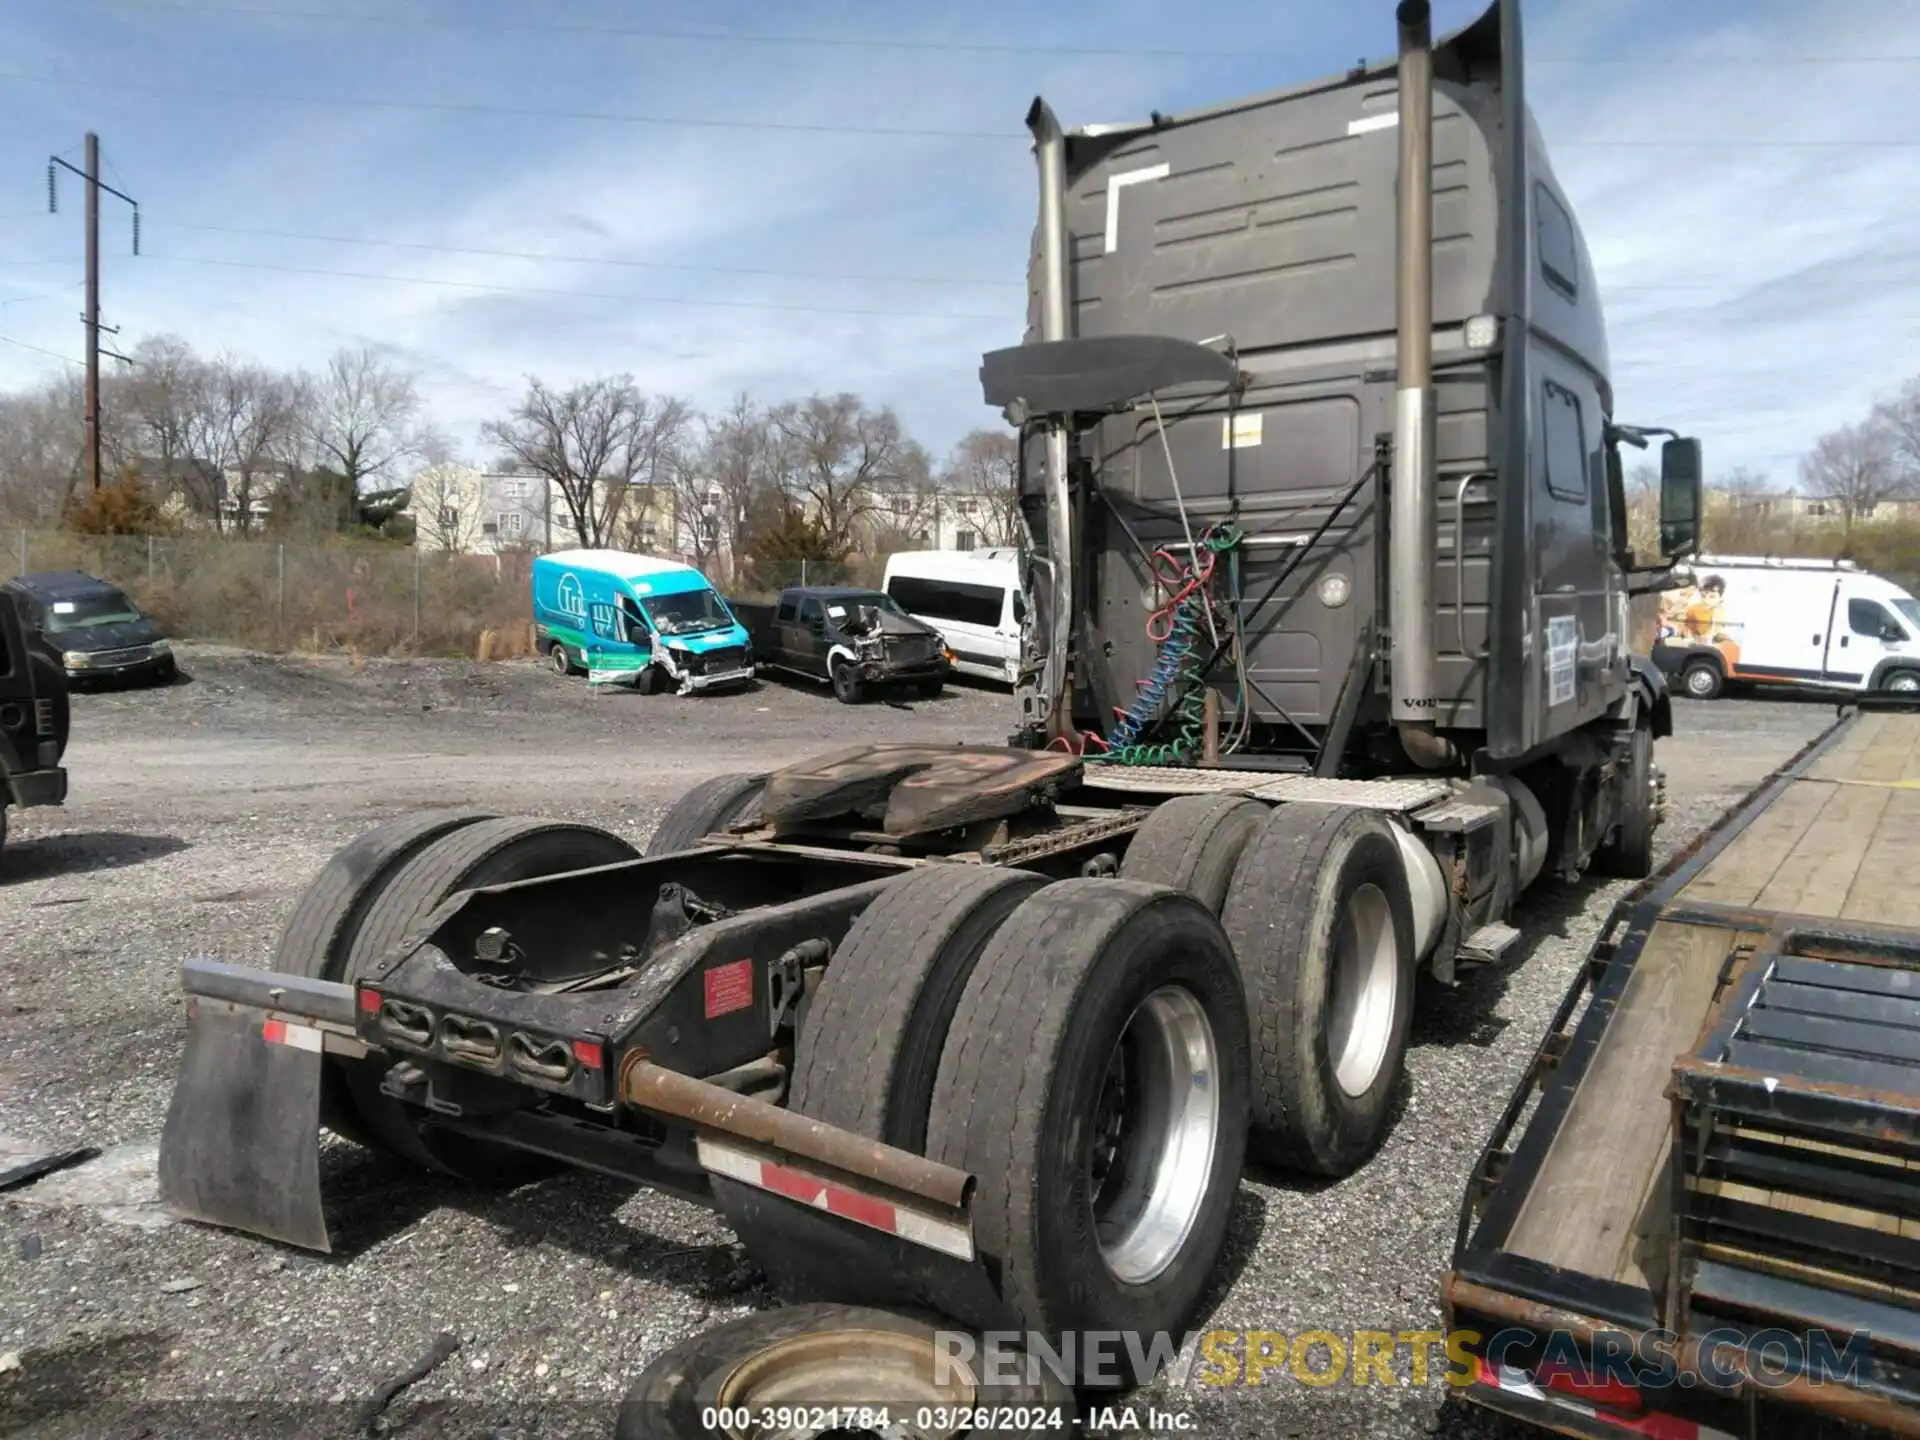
(198,814)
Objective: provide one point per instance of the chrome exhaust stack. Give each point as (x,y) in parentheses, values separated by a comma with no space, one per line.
(1050,150)
(1410,605)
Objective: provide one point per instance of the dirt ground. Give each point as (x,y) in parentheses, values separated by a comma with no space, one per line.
(199,812)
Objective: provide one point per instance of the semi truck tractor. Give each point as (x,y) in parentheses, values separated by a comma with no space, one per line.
(1326,663)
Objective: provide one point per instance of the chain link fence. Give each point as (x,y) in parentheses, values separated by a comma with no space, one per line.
(267,595)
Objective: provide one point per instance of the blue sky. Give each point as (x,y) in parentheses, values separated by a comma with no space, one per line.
(1751,209)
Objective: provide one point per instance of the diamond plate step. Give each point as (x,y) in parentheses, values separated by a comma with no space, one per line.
(1396,795)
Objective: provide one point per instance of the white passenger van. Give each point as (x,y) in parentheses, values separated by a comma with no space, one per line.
(972,597)
(1820,624)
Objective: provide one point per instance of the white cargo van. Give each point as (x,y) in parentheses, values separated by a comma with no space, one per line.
(972,597)
(1821,624)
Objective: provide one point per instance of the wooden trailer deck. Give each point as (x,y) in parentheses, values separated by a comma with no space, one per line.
(1840,842)
(1722,1127)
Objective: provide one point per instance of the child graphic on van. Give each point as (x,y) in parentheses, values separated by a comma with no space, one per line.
(1702,620)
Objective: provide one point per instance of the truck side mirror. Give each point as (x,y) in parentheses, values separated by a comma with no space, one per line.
(1680,486)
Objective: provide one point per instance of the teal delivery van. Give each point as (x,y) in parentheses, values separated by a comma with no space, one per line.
(658,621)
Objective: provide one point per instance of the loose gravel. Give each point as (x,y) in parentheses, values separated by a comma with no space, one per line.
(199,812)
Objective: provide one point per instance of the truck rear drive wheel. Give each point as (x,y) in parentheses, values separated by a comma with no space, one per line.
(1322,922)
(1629,854)
(1193,843)
(492,852)
(326,921)
(1095,1082)
(710,806)
(869,1052)
(824,1357)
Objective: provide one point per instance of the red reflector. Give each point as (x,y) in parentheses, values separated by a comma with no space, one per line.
(370,1002)
(587,1052)
(274,1032)
(1614,1393)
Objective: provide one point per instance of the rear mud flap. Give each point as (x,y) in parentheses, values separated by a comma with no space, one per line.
(809,1254)
(241,1146)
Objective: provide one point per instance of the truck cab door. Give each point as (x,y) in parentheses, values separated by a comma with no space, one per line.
(808,645)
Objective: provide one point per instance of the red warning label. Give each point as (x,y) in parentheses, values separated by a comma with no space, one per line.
(729,988)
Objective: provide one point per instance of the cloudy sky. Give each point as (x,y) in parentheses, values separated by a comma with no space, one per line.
(837,194)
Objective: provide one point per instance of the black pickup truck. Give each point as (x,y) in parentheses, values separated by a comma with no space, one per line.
(33,717)
(858,641)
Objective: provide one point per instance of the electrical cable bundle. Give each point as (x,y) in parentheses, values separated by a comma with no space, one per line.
(1176,627)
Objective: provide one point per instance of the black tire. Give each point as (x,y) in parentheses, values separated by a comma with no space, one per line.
(1193,843)
(930,689)
(709,806)
(1900,682)
(492,852)
(560,660)
(327,919)
(1020,1101)
(650,681)
(868,1055)
(675,1394)
(1702,680)
(3,827)
(1629,854)
(49,678)
(847,688)
(1292,903)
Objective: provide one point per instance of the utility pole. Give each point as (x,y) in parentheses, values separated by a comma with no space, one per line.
(91,319)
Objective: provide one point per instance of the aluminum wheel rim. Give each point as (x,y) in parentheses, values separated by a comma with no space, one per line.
(836,1369)
(1699,681)
(1904,684)
(1150,1153)
(557,658)
(1365,984)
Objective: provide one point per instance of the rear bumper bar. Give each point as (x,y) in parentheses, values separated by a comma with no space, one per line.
(736,1136)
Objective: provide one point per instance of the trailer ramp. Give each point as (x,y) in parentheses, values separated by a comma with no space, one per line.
(1719,1139)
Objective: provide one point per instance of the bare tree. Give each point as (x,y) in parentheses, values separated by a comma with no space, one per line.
(1899,420)
(40,437)
(1854,468)
(845,459)
(593,443)
(735,460)
(984,469)
(168,381)
(447,508)
(363,417)
(239,431)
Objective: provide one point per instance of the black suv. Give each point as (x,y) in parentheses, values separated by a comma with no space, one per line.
(93,628)
(33,717)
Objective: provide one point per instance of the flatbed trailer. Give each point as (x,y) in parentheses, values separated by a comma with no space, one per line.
(1699,1214)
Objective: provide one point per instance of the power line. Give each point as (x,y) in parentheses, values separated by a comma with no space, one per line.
(41,294)
(9,340)
(525,112)
(623,262)
(581,294)
(615,117)
(594,259)
(942,47)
